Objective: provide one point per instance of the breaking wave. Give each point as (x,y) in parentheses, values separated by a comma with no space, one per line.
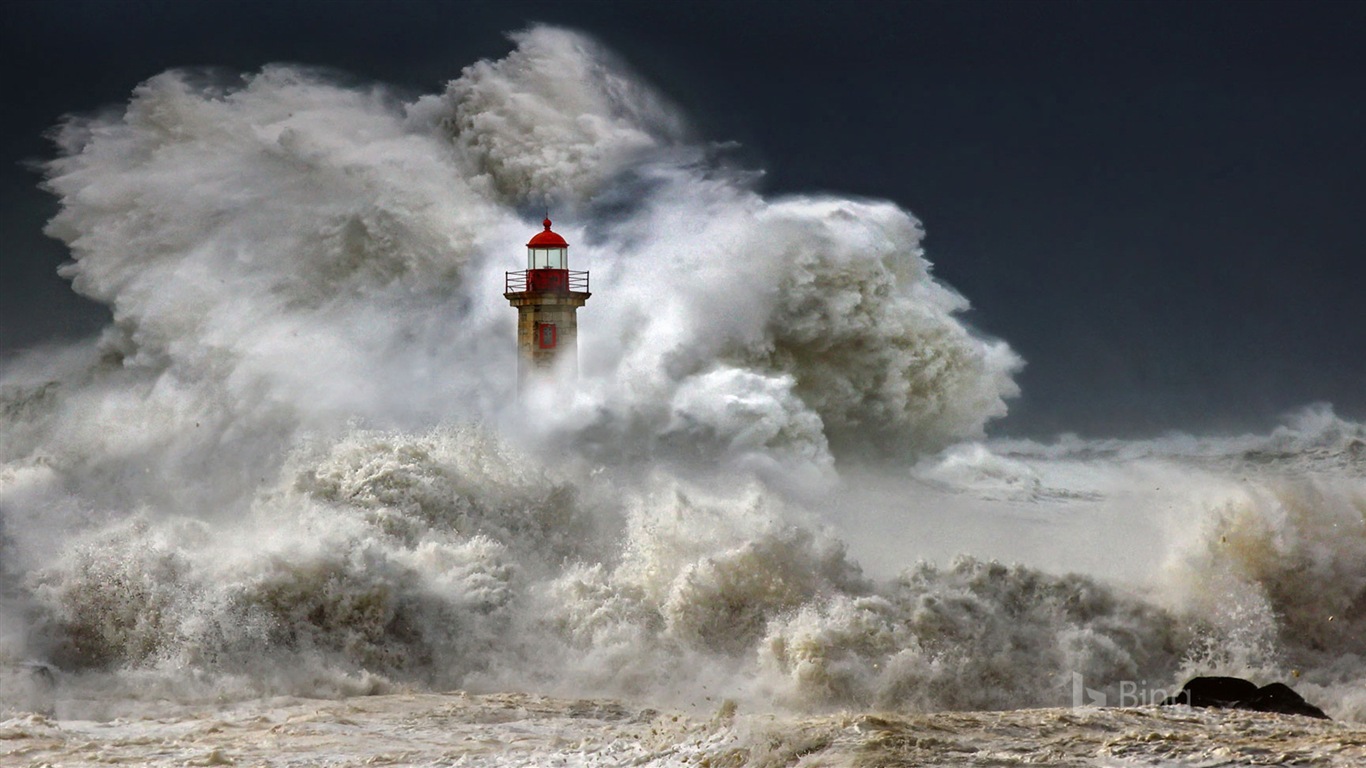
(292,463)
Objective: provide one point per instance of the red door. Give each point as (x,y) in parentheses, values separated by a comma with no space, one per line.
(545,335)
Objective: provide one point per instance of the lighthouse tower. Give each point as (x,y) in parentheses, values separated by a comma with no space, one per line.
(547,295)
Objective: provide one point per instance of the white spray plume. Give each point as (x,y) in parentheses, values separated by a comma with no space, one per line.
(553,120)
(287,252)
(294,462)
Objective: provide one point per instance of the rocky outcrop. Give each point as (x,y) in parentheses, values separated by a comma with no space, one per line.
(1237,693)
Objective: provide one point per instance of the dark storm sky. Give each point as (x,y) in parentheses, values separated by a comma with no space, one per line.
(1158,205)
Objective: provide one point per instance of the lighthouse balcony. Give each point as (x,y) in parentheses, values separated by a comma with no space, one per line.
(547,281)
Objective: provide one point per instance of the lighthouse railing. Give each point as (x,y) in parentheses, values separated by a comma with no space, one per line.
(546,281)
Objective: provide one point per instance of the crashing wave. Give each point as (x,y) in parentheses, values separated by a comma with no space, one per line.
(292,464)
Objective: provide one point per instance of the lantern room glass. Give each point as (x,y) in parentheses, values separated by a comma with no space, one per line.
(547,258)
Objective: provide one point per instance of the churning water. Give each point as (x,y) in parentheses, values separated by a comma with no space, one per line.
(293,466)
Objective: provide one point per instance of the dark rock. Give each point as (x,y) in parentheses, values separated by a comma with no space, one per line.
(1278,697)
(1214,692)
(1237,693)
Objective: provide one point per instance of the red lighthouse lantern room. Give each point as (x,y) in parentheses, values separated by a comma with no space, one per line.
(547,295)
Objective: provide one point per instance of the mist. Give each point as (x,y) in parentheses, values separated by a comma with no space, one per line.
(294,463)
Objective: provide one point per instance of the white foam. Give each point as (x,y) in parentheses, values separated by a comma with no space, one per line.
(294,464)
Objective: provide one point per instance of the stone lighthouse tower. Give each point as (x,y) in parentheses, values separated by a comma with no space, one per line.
(547,295)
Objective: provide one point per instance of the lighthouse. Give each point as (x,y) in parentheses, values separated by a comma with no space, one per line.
(547,295)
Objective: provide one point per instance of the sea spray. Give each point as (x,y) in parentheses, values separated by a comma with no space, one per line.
(293,464)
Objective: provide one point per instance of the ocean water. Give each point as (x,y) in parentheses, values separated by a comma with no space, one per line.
(286,510)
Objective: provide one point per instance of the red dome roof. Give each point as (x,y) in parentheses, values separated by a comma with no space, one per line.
(547,239)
